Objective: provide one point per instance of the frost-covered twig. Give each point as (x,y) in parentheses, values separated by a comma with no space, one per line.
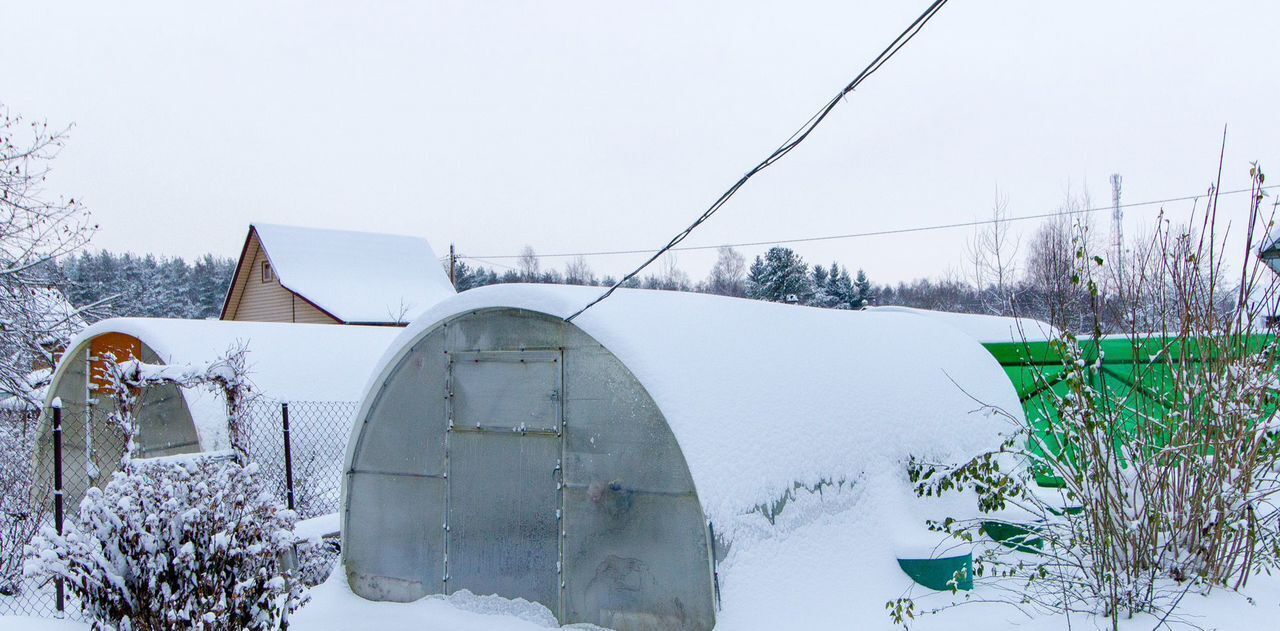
(227,375)
(1160,462)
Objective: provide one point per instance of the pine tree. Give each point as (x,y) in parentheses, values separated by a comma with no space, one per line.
(468,277)
(821,296)
(863,288)
(780,276)
(840,288)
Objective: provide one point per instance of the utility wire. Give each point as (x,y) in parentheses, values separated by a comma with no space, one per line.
(875,233)
(791,143)
(485,260)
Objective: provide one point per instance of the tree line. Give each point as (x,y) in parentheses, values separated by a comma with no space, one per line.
(127,284)
(779,275)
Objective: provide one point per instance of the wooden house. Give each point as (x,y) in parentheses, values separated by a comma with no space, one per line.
(310,275)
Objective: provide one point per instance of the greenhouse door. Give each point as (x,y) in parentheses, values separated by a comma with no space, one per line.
(503,531)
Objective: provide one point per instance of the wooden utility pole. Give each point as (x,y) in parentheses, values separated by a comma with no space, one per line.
(453,266)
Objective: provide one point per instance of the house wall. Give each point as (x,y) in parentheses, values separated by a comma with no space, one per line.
(256,301)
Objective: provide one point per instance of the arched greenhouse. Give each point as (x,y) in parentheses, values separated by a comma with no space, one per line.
(606,467)
(285,362)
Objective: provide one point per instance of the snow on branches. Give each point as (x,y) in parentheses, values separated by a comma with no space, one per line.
(227,375)
(181,542)
(34,232)
(1150,464)
(176,543)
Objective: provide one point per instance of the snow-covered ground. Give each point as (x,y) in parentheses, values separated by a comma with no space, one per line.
(828,606)
(823,564)
(333,607)
(794,574)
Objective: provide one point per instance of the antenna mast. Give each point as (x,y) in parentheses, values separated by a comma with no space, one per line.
(1117,223)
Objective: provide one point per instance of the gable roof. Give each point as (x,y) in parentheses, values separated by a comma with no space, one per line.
(356,277)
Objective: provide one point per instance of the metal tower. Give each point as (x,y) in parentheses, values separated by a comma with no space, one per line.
(1117,224)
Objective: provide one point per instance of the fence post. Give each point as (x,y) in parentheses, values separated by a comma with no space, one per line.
(288,456)
(58,490)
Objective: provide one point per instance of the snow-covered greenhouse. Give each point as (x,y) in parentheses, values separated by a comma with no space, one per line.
(285,362)
(619,468)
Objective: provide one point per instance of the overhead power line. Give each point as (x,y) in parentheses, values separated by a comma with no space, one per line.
(874,233)
(791,143)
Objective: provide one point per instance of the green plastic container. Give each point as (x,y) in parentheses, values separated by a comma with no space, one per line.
(937,574)
(1014,536)
(1134,376)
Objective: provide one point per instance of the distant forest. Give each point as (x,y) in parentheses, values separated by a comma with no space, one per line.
(147,285)
(1004,279)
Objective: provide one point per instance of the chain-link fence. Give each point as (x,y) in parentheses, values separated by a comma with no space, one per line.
(34,459)
(299,459)
(299,447)
(21,510)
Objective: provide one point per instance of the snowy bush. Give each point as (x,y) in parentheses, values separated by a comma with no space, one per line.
(1148,482)
(176,544)
(20,512)
(316,560)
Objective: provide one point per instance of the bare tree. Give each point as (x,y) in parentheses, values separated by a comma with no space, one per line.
(34,231)
(1051,258)
(528,265)
(992,253)
(578,272)
(728,276)
(671,277)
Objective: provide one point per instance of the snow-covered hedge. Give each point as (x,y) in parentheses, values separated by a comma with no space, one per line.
(186,543)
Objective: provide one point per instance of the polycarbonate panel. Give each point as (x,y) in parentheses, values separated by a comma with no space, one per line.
(508,390)
(503,515)
(396,531)
(635,560)
(405,430)
(615,429)
(503,329)
(165,426)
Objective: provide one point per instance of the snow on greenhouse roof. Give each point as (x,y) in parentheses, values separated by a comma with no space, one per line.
(285,361)
(761,396)
(358,277)
(987,329)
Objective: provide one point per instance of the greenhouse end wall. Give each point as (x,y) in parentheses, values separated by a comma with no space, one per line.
(92,446)
(508,452)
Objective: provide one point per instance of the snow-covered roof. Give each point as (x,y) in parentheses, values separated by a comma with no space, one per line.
(358,277)
(286,362)
(987,329)
(761,395)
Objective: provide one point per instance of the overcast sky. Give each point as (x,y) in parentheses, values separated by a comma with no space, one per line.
(593,125)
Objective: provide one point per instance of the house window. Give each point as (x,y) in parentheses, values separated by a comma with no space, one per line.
(267,274)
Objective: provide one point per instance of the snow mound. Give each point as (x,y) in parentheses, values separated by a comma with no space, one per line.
(987,329)
(335,607)
(492,605)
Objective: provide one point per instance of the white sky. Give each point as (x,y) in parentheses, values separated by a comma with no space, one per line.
(582,125)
